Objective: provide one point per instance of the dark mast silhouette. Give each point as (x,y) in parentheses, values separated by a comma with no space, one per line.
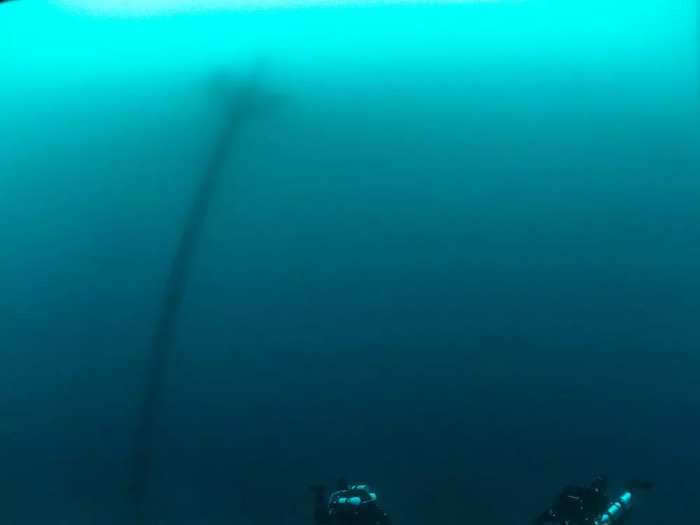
(244,100)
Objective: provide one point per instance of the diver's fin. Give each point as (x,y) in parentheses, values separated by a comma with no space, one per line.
(317,489)
(638,485)
(341,484)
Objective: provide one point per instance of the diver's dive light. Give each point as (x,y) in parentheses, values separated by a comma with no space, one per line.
(616,510)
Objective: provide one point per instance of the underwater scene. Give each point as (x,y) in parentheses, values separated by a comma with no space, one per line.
(352,263)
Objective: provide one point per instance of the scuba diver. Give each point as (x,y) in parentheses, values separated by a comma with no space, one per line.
(577,505)
(348,505)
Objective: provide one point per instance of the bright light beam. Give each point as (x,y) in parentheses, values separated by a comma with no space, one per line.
(151,7)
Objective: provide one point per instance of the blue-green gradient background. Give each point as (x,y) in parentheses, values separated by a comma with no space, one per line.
(461,261)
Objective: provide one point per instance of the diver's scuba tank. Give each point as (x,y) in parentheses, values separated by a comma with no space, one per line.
(617,510)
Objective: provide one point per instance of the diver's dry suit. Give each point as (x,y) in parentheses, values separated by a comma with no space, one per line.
(590,505)
(577,505)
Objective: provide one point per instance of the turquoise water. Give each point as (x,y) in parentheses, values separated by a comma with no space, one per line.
(459,261)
